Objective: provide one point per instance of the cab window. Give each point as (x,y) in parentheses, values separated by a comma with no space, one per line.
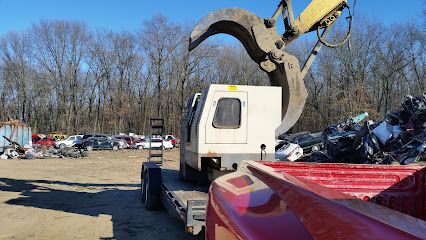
(227,114)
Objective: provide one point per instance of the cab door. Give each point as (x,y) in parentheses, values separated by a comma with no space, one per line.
(227,118)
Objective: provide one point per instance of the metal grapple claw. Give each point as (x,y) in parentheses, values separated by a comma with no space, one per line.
(233,21)
(265,46)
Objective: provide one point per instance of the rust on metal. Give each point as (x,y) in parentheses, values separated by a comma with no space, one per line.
(15,124)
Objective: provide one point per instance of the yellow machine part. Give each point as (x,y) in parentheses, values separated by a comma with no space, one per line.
(316,11)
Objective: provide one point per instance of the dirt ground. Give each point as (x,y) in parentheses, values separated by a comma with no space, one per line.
(97,197)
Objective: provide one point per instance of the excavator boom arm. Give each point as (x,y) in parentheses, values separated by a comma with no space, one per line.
(266,46)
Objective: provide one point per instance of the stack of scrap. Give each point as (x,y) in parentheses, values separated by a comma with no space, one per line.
(400,138)
(15,150)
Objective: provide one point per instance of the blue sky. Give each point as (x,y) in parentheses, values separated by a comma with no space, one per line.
(118,15)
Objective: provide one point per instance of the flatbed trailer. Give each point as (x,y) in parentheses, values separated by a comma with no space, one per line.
(183,200)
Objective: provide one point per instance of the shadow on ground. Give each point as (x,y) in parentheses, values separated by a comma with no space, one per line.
(129,218)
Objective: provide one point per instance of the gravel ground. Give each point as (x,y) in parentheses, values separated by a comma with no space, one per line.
(96,197)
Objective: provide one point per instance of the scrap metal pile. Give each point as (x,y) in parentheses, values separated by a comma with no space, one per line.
(15,150)
(400,138)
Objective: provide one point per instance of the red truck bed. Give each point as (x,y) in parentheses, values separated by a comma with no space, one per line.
(401,188)
(281,200)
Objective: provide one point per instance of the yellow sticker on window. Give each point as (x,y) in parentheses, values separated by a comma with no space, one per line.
(232,88)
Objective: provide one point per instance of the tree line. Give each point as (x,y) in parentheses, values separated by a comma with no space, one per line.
(63,75)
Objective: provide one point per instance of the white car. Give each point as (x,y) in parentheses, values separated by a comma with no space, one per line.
(173,139)
(69,142)
(156,143)
(289,152)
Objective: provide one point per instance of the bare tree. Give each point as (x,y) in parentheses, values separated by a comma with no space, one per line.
(59,75)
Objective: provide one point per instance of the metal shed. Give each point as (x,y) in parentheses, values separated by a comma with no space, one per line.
(16,131)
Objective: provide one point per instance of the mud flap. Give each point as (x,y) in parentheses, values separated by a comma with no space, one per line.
(151,182)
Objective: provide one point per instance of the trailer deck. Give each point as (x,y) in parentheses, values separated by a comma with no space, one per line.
(181,190)
(183,200)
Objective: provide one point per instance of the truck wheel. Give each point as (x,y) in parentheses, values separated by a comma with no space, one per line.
(140,147)
(115,148)
(89,148)
(62,146)
(150,200)
(143,188)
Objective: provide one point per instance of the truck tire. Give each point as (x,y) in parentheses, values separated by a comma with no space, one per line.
(149,199)
(62,146)
(140,147)
(143,188)
(89,148)
(115,148)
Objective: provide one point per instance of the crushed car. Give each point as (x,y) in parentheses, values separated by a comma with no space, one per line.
(288,151)
(400,138)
